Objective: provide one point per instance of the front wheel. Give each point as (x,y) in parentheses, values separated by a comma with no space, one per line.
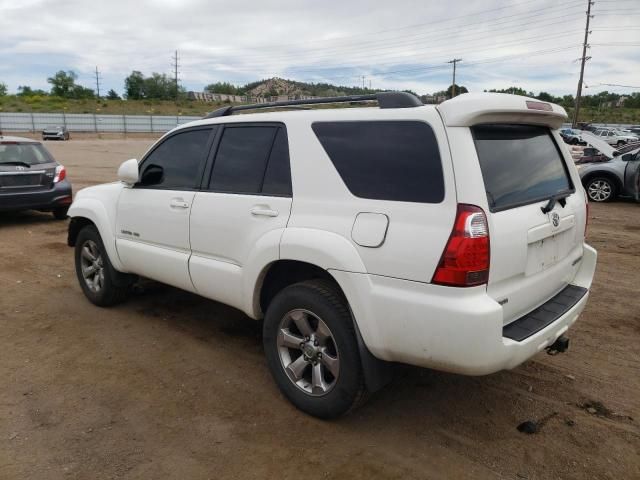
(101,283)
(312,351)
(600,189)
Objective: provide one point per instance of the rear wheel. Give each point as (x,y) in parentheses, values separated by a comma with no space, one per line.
(601,189)
(312,351)
(574,141)
(101,283)
(60,213)
(620,143)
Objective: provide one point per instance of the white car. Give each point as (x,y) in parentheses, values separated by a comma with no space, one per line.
(615,137)
(449,237)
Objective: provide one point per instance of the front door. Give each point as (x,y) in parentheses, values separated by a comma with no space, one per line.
(242,209)
(152,221)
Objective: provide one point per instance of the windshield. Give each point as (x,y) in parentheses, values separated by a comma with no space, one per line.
(520,164)
(23,153)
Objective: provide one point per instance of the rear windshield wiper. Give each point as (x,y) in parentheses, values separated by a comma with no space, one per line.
(560,198)
(23,164)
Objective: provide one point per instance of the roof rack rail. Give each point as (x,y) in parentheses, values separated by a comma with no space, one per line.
(384,99)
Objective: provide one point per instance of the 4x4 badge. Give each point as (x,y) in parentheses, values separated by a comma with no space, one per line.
(555,219)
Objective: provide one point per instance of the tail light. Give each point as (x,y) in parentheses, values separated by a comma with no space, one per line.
(465,260)
(61,174)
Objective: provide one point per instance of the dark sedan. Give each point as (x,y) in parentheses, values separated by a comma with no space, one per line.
(55,133)
(30,178)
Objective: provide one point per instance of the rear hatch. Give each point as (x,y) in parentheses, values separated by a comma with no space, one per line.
(536,214)
(25,167)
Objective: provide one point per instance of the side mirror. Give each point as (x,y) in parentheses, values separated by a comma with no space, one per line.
(128,172)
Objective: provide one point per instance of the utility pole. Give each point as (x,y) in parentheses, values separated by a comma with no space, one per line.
(585,45)
(175,72)
(97,82)
(453,85)
(363,77)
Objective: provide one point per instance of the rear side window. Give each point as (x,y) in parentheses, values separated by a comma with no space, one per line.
(520,164)
(252,160)
(387,160)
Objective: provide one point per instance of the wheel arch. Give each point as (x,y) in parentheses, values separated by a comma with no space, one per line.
(283,273)
(605,174)
(92,211)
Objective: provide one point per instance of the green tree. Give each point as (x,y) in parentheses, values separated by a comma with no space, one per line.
(134,86)
(459,89)
(224,87)
(63,84)
(112,95)
(82,92)
(3,89)
(26,91)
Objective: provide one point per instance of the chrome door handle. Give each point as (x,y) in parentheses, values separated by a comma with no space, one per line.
(178,203)
(265,212)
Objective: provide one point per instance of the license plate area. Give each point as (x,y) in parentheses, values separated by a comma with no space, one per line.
(548,251)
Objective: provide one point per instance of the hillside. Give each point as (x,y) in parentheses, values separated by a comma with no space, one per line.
(49,104)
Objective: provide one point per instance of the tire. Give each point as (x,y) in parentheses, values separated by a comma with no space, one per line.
(620,143)
(60,213)
(329,374)
(574,141)
(112,287)
(601,189)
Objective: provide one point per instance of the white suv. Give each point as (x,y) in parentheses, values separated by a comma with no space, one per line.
(449,237)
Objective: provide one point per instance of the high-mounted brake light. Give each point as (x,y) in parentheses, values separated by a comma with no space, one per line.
(546,107)
(61,174)
(465,260)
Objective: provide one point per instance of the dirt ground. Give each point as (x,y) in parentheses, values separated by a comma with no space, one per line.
(170,385)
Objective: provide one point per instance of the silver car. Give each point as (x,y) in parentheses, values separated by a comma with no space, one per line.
(615,137)
(620,175)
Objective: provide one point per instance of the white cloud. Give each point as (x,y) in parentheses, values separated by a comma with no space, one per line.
(334,41)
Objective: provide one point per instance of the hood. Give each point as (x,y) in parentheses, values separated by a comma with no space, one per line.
(606,149)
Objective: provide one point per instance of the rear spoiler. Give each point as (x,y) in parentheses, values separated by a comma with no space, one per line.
(471,109)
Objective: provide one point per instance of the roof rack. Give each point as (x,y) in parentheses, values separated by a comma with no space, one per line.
(384,99)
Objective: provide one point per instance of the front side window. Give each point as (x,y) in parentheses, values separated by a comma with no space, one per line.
(520,164)
(176,163)
(385,160)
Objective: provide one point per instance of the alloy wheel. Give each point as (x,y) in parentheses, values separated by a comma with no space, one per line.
(92,266)
(599,190)
(308,352)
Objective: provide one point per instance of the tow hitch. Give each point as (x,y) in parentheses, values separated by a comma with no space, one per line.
(559,346)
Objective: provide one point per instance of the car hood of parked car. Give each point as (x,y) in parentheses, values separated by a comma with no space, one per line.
(606,149)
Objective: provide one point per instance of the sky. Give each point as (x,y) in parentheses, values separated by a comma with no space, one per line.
(534,45)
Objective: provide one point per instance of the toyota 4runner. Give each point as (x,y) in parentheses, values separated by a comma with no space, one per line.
(450,237)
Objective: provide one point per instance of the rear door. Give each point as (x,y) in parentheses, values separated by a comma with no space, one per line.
(242,209)
(536,242)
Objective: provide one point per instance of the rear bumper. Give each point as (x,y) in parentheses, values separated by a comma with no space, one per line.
(57,196)
(450,329)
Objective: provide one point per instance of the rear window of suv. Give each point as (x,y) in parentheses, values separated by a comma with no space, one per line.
(520,164)
(385,160)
